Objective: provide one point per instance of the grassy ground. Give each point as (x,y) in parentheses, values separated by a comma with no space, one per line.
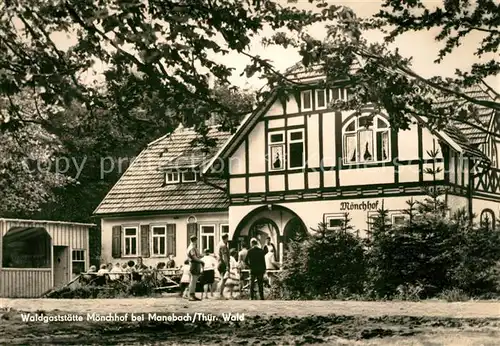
(265,323)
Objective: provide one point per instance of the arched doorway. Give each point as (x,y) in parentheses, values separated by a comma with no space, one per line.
(295,230)
(263,228)
(279,223)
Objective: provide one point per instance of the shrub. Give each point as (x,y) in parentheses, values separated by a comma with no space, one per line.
(477,271)
(437,253)
(419,253)
(329,263)
(454,295)
(141,288)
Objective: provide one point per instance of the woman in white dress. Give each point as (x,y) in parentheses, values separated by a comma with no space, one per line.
(232,276)
(271,264)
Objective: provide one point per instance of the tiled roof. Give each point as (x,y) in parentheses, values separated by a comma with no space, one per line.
(312,73)
(141,188)
(483,119)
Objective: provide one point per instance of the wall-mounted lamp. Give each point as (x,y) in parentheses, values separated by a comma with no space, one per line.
(270,206)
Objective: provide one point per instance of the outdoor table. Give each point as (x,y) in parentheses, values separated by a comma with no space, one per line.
(168,275)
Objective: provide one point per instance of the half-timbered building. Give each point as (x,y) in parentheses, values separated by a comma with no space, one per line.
(294,163)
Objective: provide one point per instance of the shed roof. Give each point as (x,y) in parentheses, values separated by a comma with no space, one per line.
(47,222)
(142,187)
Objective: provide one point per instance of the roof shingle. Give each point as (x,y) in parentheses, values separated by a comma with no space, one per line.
(141,188)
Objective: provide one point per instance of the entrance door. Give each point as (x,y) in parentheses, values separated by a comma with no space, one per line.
(61,265)
(262,229)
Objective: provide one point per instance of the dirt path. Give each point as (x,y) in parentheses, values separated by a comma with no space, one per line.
(264,323)
(475,309)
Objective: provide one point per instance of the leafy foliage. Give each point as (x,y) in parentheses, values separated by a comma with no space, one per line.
(455,19)
(328,264)
(26,165)
(162,53)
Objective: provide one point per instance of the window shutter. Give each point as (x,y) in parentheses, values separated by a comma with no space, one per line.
(192,229)
(145,240)
(116,242)
(171,246)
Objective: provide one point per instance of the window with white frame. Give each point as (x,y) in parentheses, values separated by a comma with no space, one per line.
(276,151)
(398,219)
(188,177)
(295,148)
(320,99)
(224,229)
(338,94)
(306,97)
(172,177)
(334,221)
(366,139)
(159,239)
(78,262)
(207,235)
(131,240)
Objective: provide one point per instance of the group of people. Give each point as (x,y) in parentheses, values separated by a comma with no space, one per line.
(126,271)
(225,264)
(228,263)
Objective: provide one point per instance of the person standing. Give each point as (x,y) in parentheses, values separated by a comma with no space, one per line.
(255,260)
(185,279)
(270,246)
(195,267)
(224,263)
(208,276)
(242,265)
(242,255)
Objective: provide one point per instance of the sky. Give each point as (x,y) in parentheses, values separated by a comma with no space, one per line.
(419,45)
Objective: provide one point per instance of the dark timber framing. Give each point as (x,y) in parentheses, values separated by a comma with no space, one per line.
(420,153)
(247,166)
(338,147)
(446,157)
(321,145)
(285,171)
(306,154)
(269,159)
(395,153)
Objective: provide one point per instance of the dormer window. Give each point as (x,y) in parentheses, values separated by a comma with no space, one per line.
(171,177)
(306,97)
(338,94)
(188,177)
(320,99)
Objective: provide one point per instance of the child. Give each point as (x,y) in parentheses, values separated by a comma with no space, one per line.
(185,279)
(208,275)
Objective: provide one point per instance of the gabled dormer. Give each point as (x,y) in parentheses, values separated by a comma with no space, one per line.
(178,176)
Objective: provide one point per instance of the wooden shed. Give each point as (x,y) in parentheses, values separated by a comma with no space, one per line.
(38,255)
